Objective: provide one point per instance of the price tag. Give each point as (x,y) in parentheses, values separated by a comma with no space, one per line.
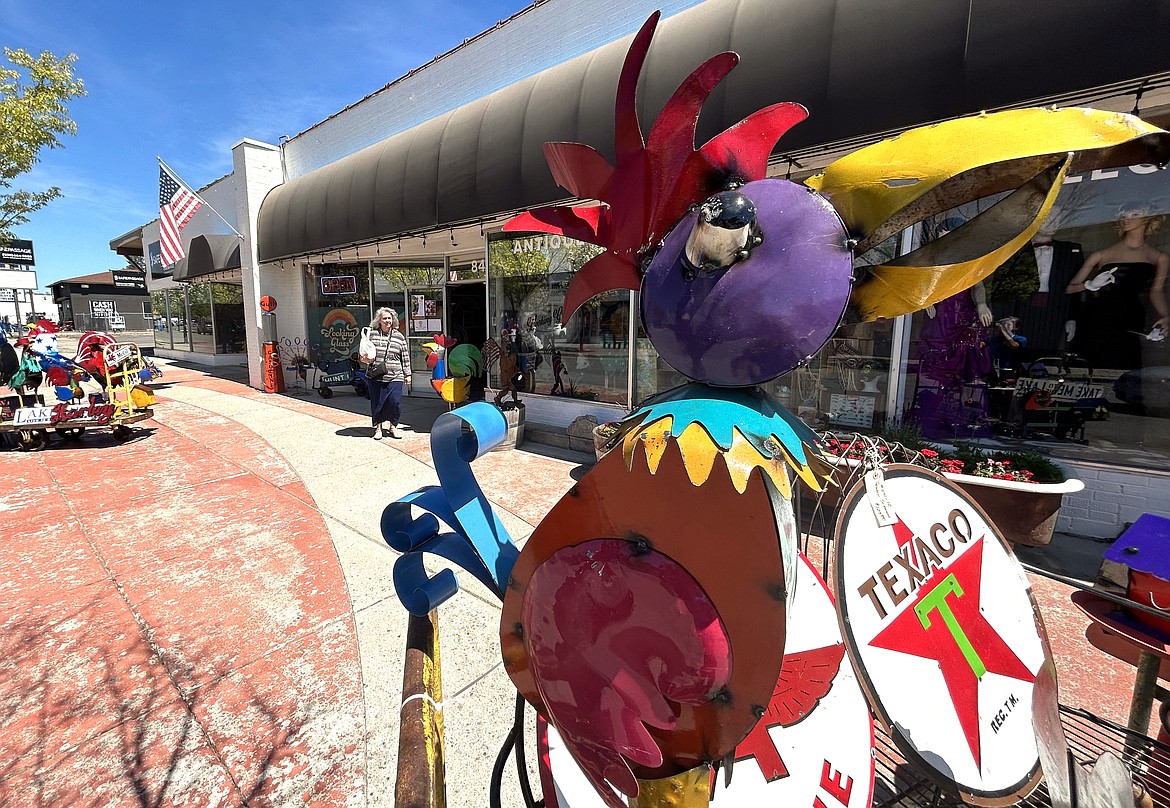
(879,499)
(118,355)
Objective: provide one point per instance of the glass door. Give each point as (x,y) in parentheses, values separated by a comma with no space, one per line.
(425,317)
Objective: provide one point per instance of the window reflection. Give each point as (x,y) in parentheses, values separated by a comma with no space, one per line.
(585,358)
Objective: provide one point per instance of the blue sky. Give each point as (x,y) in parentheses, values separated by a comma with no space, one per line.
(185,81)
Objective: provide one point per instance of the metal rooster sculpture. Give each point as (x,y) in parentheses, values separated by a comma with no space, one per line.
(452,367)
(645,618)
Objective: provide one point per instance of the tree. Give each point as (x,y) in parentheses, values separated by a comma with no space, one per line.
(34,92)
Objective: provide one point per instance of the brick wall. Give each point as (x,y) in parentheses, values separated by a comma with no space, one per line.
(1113,497)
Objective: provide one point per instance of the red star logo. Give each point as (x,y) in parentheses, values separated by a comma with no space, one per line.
(945,624)
(905,536)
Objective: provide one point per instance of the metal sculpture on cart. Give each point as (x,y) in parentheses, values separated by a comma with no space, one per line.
(119,370)
(648,617)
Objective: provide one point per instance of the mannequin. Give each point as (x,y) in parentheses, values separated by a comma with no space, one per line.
(954,339)
(1046,265)
(954,355)
(1109,330)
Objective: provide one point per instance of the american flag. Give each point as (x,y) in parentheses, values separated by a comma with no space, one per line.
(176,207)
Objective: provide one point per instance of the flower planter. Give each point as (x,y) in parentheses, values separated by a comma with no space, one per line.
(1025,513)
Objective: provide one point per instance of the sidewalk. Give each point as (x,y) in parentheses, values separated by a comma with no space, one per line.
(204,614)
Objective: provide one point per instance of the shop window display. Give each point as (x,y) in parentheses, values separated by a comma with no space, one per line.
(1073,357)
(338,308)
(586,358)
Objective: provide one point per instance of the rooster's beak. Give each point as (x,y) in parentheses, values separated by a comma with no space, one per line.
(884,188)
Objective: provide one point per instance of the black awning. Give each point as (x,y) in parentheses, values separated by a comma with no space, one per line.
(207,255)
(860,68)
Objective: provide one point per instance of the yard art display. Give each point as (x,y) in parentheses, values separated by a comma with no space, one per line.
(452,367)
(653,611)
(118,369)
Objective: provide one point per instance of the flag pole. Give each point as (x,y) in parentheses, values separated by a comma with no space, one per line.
(180,180)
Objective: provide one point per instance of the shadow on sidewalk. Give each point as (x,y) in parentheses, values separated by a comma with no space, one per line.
(91,712)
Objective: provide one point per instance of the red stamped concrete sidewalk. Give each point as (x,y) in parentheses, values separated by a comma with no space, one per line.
(176,628)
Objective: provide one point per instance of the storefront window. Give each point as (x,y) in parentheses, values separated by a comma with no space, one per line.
(228,317)
(586,358)
(202,326)
(338,308)
(162,329)
(1065,357)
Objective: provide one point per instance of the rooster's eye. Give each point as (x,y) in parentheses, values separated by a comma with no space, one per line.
(724,232)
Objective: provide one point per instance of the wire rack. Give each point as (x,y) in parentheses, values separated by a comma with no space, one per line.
(899,784)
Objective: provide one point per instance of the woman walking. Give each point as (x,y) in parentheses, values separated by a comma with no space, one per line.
(387,372)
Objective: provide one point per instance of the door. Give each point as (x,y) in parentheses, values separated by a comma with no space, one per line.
(467,322)
(424,318)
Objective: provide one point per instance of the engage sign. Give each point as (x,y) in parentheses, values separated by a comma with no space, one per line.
(129,279)
(938,618)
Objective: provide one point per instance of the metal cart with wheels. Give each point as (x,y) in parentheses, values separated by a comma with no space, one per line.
(124,399)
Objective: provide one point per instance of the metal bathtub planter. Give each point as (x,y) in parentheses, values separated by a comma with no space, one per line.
(1024,512)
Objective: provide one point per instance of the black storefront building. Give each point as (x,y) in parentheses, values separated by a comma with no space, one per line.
(111,301)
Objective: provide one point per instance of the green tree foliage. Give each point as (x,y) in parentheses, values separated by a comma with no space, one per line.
(34,92)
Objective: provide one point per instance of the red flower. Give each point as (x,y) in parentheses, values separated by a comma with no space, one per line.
(930,453)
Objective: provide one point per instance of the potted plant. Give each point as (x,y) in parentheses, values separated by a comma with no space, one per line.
(1020,491)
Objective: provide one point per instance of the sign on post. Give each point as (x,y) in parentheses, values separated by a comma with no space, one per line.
(18,279)
(17,251)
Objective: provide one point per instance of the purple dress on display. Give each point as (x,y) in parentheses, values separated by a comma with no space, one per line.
(954,360)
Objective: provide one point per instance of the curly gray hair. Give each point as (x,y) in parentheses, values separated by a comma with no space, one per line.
(376,323)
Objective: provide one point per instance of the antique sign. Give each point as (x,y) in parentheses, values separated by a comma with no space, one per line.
(938,618)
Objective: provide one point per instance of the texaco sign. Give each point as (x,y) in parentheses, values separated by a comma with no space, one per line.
(938,618)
